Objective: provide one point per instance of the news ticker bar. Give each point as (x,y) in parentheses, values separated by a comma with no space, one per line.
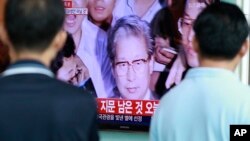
(129,107)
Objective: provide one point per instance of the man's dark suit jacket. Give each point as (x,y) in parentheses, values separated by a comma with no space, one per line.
(37,107)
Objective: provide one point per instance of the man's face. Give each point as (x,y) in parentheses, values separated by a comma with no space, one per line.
(73,22)
(186,22)
(73,70)
(101,10)
(68,70)
(132,67)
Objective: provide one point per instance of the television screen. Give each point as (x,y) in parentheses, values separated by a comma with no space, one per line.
(127,54)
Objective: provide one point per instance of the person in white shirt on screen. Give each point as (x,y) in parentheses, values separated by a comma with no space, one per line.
(93,46)
(65,64)
(145,9)
(72,25)
(130,50)
(73,22)
(211,97)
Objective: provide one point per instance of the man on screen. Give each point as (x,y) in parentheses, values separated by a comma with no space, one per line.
(93,46)
(100,13)
(73,21)
(185,12)
(130,51)
(65,64)
(211,97)
(34,106)
(75,14)
(186,57)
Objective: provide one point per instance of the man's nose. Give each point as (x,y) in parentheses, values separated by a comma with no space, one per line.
(190,35)
(130,73)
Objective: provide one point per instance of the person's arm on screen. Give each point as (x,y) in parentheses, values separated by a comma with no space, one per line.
(162,56)
(82,71)
(177,70)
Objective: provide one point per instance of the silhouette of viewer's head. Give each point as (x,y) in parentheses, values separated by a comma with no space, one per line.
(34,25)
(221,32)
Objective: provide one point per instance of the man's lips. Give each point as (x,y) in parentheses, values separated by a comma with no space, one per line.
(132,89)
(99,9)
(70,20)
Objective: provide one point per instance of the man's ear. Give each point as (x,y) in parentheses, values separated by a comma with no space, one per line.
(59,40)
(244,48)
(151,64)
(3,33)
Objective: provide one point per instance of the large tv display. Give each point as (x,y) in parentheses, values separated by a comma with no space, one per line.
(125,53)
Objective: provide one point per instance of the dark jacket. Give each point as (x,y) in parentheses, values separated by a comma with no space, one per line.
(37,107)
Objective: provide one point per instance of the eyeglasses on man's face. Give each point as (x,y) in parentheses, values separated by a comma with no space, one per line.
(185,25)
(138,66)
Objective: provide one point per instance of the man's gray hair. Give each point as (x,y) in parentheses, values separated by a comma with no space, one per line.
(129,26)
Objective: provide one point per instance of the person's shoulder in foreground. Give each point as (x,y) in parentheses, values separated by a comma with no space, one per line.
(33,104)
(37,107)
(211,97)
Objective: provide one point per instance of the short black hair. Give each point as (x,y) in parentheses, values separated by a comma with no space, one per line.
(67,51)
(221,30)
(162,24)
(32,24)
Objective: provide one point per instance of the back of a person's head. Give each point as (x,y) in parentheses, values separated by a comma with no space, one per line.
(32,24)
(221,29)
